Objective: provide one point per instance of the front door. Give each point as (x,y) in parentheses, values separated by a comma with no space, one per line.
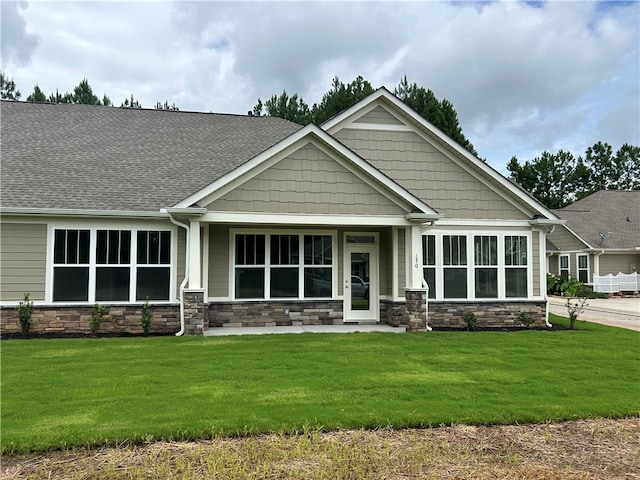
(361,282)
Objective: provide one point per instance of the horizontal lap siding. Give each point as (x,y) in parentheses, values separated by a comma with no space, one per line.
(618,263)
(429,174)
(22,261)
(535,261)
(219,261)
(564,240)
(307,182)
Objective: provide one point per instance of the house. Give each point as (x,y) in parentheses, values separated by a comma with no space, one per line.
(601,236)
(218,220)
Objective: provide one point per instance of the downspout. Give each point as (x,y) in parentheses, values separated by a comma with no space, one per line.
(426,304)
(186,273)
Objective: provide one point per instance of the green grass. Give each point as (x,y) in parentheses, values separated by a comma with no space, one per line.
(67,393)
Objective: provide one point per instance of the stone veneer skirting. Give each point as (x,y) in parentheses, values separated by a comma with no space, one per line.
(493,315)
(63,321)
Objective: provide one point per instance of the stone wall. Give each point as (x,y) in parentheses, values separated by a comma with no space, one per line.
(60,321)
(275,313)
(494,315)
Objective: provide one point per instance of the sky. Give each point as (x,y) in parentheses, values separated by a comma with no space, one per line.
(524,76)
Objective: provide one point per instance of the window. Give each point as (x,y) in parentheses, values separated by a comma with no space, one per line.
(429,262)
(128,265)
(564,266)
(284,272)
(71,265)
(583,268)
(455,266)
(486,266)
(515,261)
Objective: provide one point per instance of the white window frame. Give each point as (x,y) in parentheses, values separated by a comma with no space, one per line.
(582,269)
(560,268)
(133,265)
(471,267)
(267,265)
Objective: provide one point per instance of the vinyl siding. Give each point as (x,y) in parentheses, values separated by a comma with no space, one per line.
(535,262)
(614,264)
(429,174)
(565,240)
(379,115)
(402,262)
(182,252)
(23,249)
(307,182)
(219,261)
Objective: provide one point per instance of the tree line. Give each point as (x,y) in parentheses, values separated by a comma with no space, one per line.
(559,179)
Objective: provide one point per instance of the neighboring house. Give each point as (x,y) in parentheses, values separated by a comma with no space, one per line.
(240,220)
(601,236)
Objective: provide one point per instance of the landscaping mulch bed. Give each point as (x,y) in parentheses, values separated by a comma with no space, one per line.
(588,449)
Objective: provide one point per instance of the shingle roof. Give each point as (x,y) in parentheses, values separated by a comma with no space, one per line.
(615,214)
(104,158)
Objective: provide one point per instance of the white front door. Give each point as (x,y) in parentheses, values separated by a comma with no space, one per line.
(360,282)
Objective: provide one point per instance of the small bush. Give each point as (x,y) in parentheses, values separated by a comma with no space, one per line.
(25,313)
(471,319)
(96,317)
(526,318)
(146,317)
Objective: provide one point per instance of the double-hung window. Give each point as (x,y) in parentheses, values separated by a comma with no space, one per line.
(118,265)
(283,265)
(564,266)
(583,267)
(454,258)
(516,266)
(485,249)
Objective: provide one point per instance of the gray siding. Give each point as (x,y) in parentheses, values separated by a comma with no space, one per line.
(219,260)
(535,262)
(23,251)
(402,262)
(565,240)
(429,174)
(610,263)
(379,115)
(307,182)
(182,251)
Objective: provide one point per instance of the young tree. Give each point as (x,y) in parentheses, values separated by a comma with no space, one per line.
(166,106)
(130,103)
(37,96)
(8,90)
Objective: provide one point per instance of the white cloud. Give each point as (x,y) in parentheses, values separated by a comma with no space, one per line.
(523,77)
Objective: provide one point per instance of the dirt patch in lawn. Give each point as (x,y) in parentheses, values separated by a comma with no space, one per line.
(590,449)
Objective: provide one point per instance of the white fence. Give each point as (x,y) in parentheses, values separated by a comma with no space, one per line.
(622,282)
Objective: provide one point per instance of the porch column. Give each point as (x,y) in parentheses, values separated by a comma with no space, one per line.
(195,255)
(415,258)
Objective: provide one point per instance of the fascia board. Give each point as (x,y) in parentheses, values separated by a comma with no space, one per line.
(334,124)
(54,212)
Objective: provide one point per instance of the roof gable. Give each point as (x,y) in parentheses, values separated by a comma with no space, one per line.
(362,116)
(332,149)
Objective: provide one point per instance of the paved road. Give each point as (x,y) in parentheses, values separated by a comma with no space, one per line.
(617,312)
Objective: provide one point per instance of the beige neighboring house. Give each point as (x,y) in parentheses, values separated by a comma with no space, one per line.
(231,220)
(601,236)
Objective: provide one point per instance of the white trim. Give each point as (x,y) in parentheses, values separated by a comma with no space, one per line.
(395,268)
(373,313)
(568,257)
(205,258)
(383,97)
(59,212)
(303,220)
(578,269)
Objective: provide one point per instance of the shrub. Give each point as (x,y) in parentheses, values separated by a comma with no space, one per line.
(526,318)
(96,317)
(25,313)
(471,319)
(146,317)
(574,309)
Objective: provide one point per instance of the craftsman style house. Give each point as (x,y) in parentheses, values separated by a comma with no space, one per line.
(237,220)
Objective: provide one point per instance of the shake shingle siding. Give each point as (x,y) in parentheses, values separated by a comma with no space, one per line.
(106,158)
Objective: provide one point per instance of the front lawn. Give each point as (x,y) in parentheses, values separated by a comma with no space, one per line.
(85,392)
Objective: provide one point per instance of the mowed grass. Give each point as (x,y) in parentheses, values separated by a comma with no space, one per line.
(67,393)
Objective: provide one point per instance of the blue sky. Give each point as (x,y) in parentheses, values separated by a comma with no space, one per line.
(524,77)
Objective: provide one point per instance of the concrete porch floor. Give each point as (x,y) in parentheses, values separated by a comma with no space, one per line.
(222,331)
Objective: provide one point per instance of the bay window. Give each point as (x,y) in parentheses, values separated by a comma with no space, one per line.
(283,265)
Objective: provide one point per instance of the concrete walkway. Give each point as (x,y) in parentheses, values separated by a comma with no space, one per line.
(623,312)
(221,331)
